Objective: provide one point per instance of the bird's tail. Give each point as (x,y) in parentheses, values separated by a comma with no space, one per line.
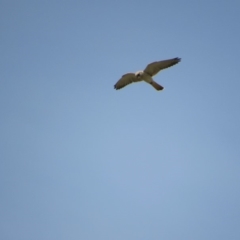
(156,86)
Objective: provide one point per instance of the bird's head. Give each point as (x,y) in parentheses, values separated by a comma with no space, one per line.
(139,74)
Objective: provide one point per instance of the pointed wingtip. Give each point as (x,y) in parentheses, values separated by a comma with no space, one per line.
(178,59)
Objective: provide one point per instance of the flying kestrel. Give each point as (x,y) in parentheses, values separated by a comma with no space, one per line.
(147,74)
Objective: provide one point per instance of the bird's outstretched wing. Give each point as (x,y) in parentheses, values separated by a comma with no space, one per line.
(154,67)
(125,80)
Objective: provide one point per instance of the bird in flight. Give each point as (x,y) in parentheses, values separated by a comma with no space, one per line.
(147,74)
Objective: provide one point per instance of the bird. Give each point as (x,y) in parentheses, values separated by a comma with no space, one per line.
(147,74)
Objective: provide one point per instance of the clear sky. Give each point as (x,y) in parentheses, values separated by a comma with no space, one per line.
(80,160)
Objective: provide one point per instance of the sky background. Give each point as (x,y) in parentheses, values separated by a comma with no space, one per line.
(80,160)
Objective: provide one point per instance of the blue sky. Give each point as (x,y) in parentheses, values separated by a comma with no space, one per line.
(80,160)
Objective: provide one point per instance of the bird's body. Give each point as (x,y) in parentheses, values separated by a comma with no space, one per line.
(146,75)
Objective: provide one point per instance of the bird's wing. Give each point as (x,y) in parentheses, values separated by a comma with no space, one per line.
(154,67)
(125,80)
